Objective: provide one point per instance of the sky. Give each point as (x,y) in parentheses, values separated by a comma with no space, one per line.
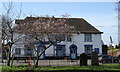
(61,0)
(102,15)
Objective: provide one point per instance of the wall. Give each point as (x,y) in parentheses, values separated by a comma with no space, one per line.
(78,39)
(18,44)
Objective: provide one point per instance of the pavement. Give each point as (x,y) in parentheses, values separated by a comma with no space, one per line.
(48,62)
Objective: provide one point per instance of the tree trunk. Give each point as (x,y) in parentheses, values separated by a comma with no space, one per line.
(36,64)
(2,57)
(12,60)
(34,61)
(38,55)
(8,60)
(9,56)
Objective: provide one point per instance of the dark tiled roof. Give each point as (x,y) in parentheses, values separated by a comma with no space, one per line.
(81,25)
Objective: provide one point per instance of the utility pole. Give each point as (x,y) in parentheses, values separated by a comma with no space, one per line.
(112,48)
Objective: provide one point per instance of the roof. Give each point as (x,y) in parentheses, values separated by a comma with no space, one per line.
(80,24)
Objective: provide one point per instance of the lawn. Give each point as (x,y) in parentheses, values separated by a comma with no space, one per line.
(23,68)
(114,49)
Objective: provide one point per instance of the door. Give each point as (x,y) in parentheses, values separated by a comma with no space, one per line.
(73,51)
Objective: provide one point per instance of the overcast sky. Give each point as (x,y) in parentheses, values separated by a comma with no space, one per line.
(102,15)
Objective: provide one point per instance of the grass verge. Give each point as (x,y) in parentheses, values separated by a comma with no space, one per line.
(105,67)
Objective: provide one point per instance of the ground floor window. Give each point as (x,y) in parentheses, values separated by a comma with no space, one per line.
(18,51)
(97,50)
(60,50)
(88,49)
(28,51)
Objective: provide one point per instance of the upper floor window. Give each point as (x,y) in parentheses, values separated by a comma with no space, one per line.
(88,37)
(60,37)
(56,37)
(69,38)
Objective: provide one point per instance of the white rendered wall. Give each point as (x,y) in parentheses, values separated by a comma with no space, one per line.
(78,40)
(18,44)
(49,51)
(97,42)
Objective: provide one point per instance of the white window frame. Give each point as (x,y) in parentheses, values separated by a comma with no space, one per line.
(88,49)
(88,37)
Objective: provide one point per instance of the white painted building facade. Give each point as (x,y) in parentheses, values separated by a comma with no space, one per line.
(86,39)
(64,48)
(78,40)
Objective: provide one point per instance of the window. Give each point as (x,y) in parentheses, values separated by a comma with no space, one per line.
(88,49)
(56,37)
(60,37)
(88,37)
(69,38)
(29,51)
(60,50)
(97,50)
(17,51)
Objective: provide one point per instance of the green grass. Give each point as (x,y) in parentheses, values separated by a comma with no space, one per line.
(14,68)
(108,67)
(99,68)
(114,49)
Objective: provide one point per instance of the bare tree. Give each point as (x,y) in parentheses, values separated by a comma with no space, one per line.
(8,39)
(47,28)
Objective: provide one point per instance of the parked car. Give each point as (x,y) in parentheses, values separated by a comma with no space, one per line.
(108,59)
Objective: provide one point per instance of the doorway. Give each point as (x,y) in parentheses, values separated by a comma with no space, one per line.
(73,51)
